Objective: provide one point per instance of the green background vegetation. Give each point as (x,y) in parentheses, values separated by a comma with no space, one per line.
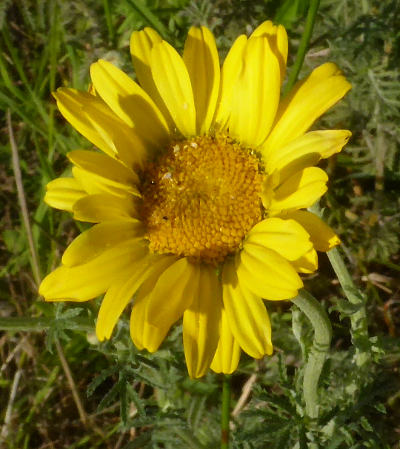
(125,399)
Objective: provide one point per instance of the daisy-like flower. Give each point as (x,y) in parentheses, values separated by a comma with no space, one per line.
(198,198)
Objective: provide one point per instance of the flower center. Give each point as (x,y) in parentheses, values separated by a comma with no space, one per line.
(200,198)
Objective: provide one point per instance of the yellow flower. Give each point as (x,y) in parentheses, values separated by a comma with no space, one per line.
(198,197)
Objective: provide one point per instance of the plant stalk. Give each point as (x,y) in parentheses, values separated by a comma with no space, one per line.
(225,411)
(301,51)
(321,344)
(110,28)
(358,319)
(22,200)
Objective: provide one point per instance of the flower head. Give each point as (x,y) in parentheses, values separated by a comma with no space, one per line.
(198,197)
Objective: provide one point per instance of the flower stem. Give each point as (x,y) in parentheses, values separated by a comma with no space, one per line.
(22,200)
(358,319)
(225,411)
(110,28)
(316,359)
(301,51)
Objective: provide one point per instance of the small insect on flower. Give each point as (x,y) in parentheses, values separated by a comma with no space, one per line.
(198,195)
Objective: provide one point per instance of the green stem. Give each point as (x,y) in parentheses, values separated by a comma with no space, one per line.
(225,411)
(301,51)
(358,319)
(22,200)
(110,28)
(316,359)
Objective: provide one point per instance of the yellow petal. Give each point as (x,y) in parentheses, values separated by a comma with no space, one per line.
(108,171)
(90,116)
(130,102)
(141,45)
(305,151)
(282,46)
(278,40)
(299,191)
(286,237)
(119,295)
(247,315)
(89,280)
(144,334)
(321,235)
(100,238)
(230,72)
(104,207)
(267,274)
(94,184)
(201,323)
(307,263)
(90,184)
(227,355)
(91,90)
(173,293)
(202,62)
(103,165)
(309,99)
(256,94)
(75,107)
(62,193)
(265,29)
(173,83)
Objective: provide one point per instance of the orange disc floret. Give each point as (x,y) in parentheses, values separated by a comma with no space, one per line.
(201,197)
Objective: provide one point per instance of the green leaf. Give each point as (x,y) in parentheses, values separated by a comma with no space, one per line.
(290,11)
(141,8)
(140,441)
(365,424)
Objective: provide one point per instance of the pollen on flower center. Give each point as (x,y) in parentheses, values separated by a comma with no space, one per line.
(200,198)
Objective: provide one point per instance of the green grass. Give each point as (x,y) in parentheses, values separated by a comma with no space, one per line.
(122,398)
